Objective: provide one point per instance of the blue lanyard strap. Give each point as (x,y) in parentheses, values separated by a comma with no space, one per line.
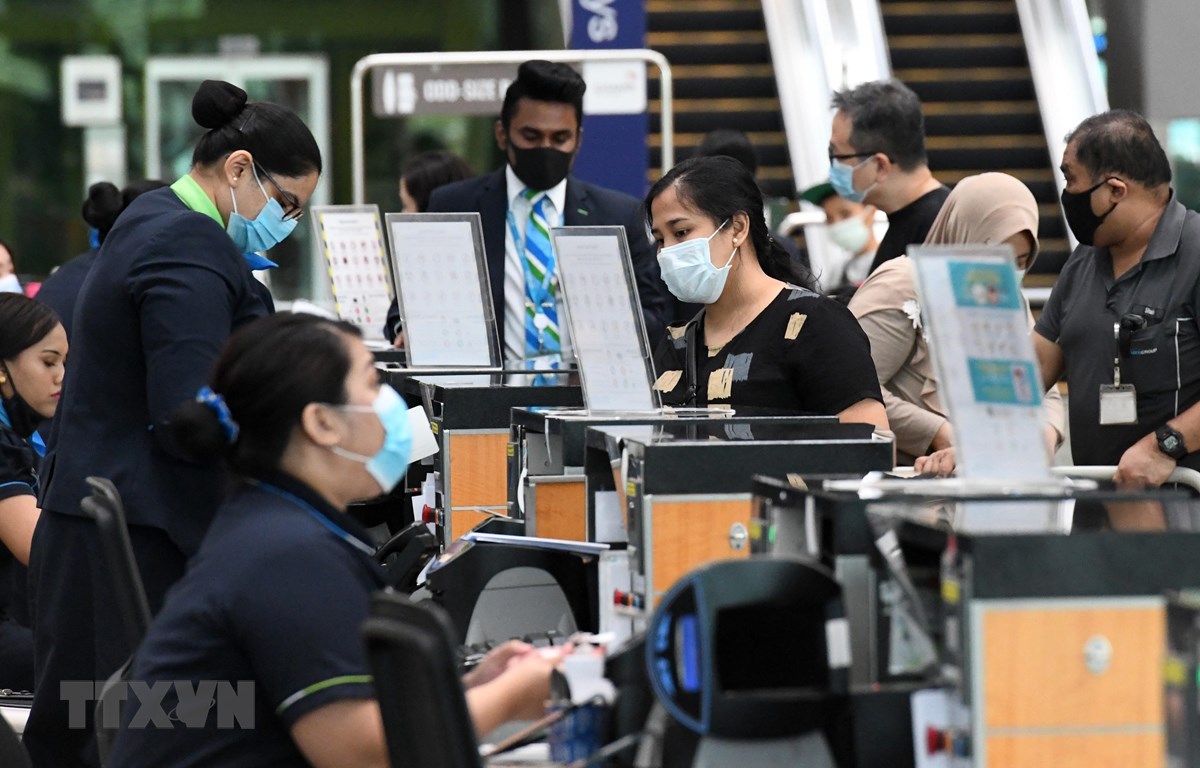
(322,519)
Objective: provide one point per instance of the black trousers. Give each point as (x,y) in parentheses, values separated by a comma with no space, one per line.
(16,656)
(77,630)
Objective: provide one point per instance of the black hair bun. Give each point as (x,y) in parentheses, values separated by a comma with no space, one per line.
(216,103)
(103,205)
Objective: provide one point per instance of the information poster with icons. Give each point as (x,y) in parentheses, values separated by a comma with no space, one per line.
(445,295)
(978,333)
(606,321)
(351,240)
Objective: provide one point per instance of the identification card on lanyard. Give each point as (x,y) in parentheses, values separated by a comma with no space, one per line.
(1118,402)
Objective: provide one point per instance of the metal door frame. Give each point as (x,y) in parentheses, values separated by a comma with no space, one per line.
(313,69)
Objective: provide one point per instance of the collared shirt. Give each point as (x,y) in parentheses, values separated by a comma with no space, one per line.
(274,598)
(514,265)
(1163,362)
(194,197)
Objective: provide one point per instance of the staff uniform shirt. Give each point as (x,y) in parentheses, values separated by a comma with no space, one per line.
(804,353)
(1164,359)
(150,323)
(18,477)
(275,597)
(514,265)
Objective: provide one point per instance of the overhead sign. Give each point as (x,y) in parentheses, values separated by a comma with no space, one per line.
(442,89)
(91,91)
(613,88)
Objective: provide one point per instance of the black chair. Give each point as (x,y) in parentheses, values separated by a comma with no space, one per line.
(405,555)
(425,716)
(105,507)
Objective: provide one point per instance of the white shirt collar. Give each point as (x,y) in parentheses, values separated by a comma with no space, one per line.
(557,193)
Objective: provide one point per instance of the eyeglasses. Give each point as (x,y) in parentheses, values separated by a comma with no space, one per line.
(294,211)
(850,155)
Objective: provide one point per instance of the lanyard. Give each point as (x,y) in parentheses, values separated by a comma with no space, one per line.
(538,293)
(322,519)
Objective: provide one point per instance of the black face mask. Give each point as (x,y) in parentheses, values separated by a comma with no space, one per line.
(540,167)
(1077,207)
(25,420)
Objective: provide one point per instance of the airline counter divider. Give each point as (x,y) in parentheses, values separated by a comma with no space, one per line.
(546,481)
(685,488)
(471,423)
(1050,648)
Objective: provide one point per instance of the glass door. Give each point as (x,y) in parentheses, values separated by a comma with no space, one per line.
(300,83)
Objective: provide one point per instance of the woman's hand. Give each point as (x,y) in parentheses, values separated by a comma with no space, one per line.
(495,662)
(520,692)
(940,463)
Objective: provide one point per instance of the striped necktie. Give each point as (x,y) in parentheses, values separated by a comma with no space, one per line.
(541,285)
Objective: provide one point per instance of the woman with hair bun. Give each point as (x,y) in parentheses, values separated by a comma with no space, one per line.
(763,338)
(103,205)
(33,351)
(282,583)
(176,283)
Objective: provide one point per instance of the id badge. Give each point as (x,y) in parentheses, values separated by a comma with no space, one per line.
(1118,404)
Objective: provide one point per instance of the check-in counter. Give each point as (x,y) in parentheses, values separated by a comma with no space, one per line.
(471,424)
(546,479)
(1051,648)
(685,488)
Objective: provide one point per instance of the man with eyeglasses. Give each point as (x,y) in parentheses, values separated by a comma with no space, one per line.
(877,156)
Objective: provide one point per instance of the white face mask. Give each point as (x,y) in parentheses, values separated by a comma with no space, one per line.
(1020,275)
(10,284)
(689,273)
(850,234)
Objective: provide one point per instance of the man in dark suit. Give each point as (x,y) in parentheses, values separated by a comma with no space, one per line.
(539,132)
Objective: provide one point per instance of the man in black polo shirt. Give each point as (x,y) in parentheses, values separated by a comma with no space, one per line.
(877,156)
(1129,292)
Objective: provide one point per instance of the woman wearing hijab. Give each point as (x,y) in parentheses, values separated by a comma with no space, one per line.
(988,209)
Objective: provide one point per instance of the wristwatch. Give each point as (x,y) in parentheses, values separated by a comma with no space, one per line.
(1170,442)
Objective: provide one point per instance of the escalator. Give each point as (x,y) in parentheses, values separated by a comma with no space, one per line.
(967,61)
(723,78)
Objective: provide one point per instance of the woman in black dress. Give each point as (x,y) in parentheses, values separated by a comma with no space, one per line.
(764,338)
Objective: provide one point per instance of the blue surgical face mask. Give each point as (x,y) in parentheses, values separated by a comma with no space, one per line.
(390,462)
(264,231)
(689,273)
(841,178)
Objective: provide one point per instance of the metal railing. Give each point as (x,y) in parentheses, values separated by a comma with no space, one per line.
(367,63)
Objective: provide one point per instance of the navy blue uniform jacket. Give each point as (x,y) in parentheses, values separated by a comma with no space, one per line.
(149,326)
(586,206)
(61,289)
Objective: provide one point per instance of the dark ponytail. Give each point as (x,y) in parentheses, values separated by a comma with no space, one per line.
(279,140)
(719,187)
(268,372)
(105,202)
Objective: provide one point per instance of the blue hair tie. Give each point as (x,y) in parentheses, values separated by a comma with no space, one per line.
(215,402)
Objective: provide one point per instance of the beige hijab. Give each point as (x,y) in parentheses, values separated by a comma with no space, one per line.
(986,210)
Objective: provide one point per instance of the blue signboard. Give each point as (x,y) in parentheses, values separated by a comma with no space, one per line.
(614,152)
